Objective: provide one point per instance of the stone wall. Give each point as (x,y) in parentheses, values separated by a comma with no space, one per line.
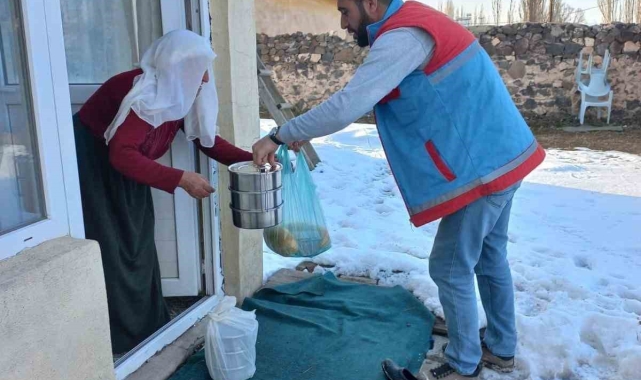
(536,61)
(309,68)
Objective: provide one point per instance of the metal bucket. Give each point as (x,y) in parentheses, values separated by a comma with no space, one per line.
(256,200)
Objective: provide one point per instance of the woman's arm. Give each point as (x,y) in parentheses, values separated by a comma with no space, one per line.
(224,152)
(125,156)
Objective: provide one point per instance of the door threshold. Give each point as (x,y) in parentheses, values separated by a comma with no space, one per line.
(135,358)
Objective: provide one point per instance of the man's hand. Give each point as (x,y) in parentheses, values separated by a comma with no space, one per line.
(296,146)
(264,151)
(195,185)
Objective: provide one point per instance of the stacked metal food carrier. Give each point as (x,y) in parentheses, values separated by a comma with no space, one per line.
(256,198)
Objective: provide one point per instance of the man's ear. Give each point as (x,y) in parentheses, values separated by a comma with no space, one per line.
(372,7)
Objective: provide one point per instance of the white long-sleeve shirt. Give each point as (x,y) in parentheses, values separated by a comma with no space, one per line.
(394,55)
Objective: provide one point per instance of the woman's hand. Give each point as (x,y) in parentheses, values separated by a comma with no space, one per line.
(195,185)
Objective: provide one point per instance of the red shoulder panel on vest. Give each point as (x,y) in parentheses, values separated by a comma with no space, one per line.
(450,38)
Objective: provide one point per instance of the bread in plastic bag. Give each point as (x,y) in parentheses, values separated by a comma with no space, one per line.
(302,231)
(284,239)
(230,342)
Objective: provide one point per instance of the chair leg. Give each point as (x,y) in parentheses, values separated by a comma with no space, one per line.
(610,105)
(598,113)
(582,109)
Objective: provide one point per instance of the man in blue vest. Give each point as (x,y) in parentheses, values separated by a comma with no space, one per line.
(458,148)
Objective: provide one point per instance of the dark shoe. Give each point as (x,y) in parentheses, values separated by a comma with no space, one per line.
(496,363)
(445,372)
(394,372)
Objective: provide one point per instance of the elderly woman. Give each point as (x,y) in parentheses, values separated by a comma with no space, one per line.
(126,125)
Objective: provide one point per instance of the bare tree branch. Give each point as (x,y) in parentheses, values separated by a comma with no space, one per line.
(450,9)
(567,14)
(533,10)
(618,15)
(497,9)
(629,10)
(609,10)
(511,12)
(578,17)
(541,10)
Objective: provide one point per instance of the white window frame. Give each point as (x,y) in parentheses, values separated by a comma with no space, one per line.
(42,25)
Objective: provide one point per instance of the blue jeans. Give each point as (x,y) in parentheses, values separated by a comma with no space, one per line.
(474,241)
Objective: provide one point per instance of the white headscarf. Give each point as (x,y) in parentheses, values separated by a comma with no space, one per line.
(168,89)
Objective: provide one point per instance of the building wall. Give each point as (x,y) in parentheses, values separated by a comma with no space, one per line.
(233,36)
(54,321)
(536,61)
(275,17)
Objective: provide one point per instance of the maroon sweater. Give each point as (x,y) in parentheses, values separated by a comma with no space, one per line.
(137,144)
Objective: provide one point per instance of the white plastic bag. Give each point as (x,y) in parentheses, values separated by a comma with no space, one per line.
(230,342)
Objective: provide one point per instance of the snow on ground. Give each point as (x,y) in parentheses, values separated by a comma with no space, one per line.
(575,251)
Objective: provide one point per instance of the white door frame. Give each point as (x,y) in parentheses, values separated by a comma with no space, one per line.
(129,363)
(212,266)
(210,221)
(211,226)
(183,155)
(188,281)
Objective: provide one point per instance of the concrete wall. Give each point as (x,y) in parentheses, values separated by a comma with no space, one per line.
(233,38)
(276,17)
(536,61)
(54,322)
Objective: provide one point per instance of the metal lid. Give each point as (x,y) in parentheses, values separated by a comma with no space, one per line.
(249,167)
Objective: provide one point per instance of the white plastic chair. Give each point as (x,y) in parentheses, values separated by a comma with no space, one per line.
(592,95)
(604,66)
(578,75)
(586,69)
(582,70)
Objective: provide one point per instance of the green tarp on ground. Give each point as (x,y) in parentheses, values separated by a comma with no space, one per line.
(324,329)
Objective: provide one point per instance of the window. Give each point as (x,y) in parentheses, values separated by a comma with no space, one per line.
(112,35)
(20,177)
(39,195)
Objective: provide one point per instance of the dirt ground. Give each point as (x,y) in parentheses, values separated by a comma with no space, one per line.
(628,141)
